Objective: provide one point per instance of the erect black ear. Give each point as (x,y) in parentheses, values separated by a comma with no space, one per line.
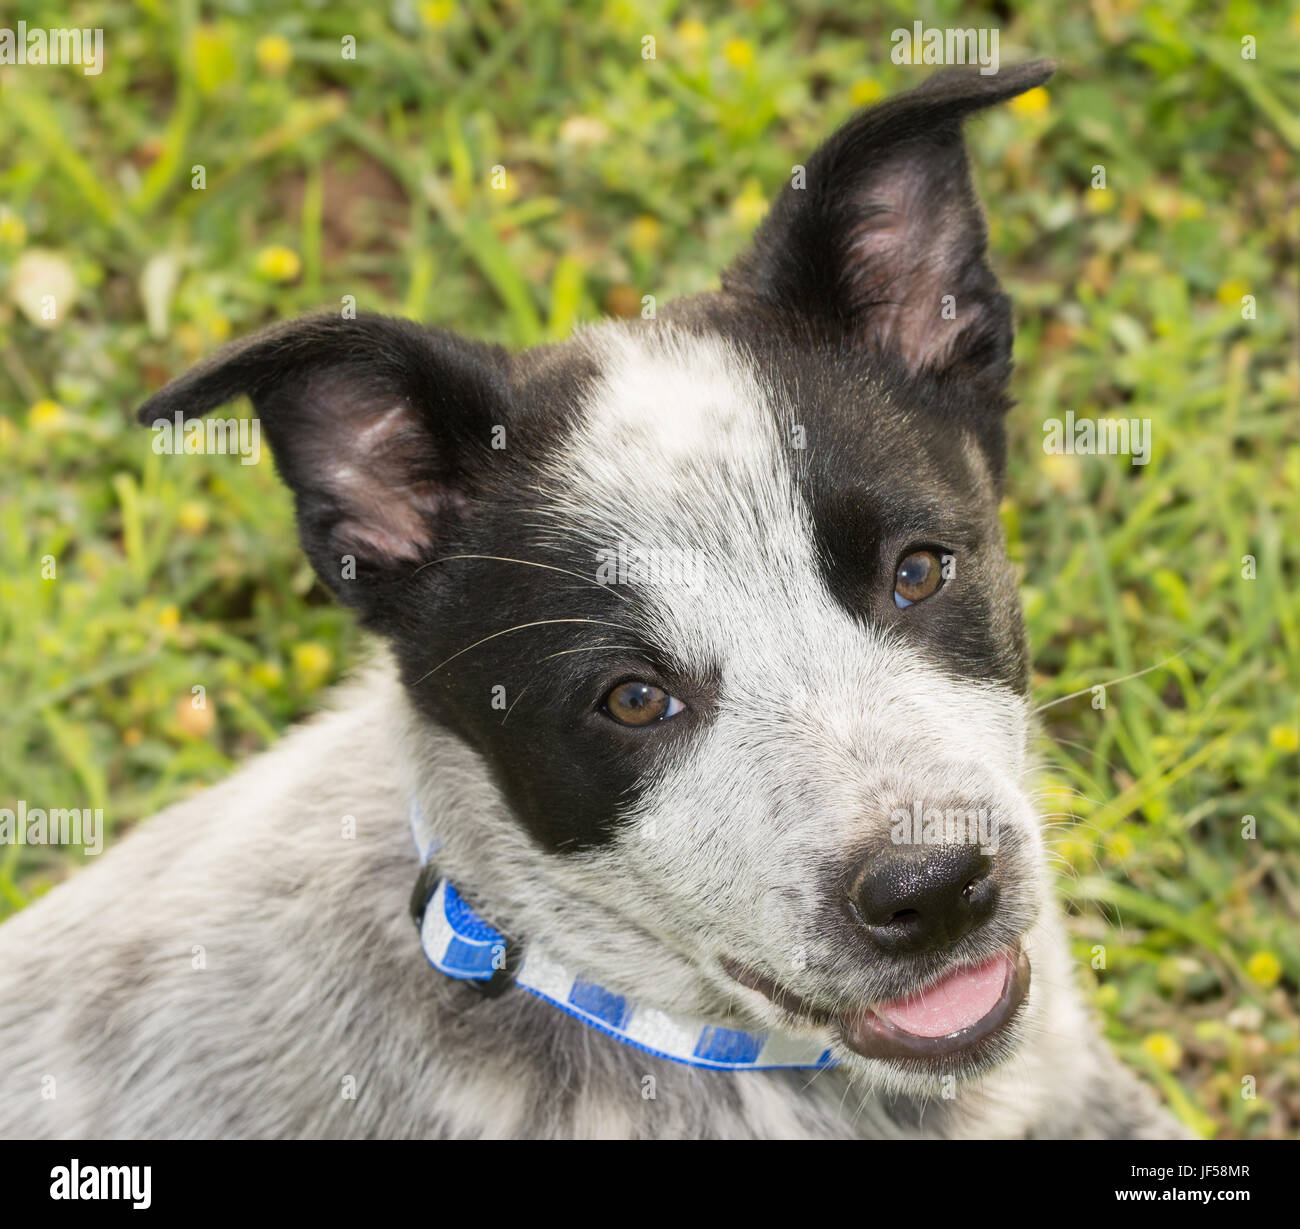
(886,225)
(378,426)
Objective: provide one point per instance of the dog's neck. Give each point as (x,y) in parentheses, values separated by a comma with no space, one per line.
(462,945)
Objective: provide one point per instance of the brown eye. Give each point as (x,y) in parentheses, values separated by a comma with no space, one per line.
(639,703)
(919,576)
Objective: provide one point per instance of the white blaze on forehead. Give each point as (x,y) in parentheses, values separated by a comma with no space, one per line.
(678,393)
(683,448)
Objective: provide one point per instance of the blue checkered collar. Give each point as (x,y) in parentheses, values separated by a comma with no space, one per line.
(460,944)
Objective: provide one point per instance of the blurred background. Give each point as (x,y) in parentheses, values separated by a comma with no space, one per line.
(324,176)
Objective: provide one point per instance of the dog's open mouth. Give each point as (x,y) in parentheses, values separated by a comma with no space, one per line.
(947,1019)
(957,1017)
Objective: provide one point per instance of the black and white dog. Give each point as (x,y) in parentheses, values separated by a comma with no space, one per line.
(704,697)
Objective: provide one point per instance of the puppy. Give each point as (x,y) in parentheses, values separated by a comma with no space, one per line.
(697,749)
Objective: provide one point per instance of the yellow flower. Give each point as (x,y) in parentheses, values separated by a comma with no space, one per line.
(748,208)
(169,618)
(192,517)
(738,52)
(1099,200)
(46,417)
(865,90)
(1265,969)
(435,13)
(312,663)
(1120,846)
(1231,292)
(274,54)
(1033,102)
(278,264)
(1164,1049)
(645,233)
(1284,738)
(692,33)
(13,230)
(217,325)
(268,674)
(1078,854)
(1062,471)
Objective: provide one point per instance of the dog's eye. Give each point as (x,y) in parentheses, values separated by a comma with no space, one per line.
(919,576)
(639,703)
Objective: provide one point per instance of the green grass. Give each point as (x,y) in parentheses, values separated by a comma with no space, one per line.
(628,177)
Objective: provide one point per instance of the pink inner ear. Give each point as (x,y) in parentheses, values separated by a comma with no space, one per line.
(908,253)
(386,510)
(403,539)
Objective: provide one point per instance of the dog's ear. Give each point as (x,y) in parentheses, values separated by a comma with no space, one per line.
(378,426)
(885,227)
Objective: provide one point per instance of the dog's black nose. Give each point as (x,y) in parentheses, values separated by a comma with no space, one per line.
(922,900)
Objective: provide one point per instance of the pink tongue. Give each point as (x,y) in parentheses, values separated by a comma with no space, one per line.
(963,998)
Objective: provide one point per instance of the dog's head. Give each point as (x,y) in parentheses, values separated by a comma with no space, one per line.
(715,607)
